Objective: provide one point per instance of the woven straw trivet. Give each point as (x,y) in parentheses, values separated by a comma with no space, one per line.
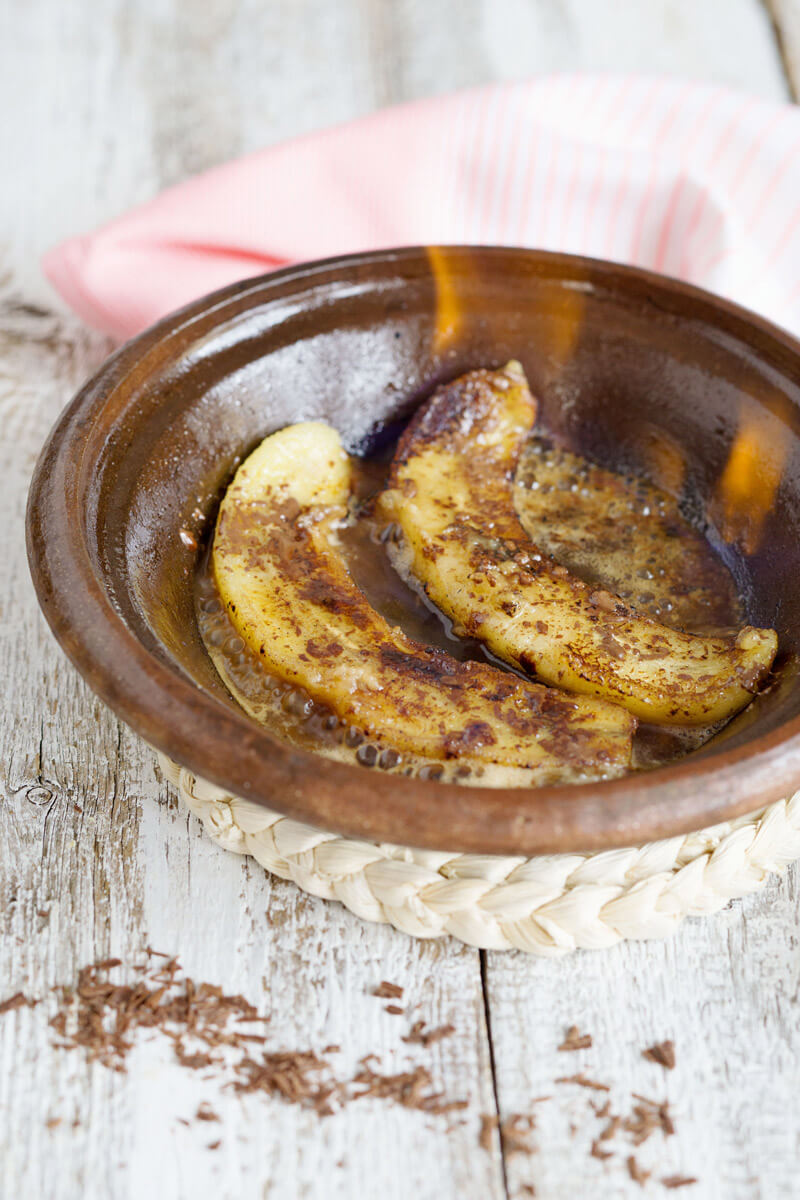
(546,905)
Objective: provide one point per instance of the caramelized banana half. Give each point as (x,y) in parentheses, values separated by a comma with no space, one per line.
(451,493)
(281,576)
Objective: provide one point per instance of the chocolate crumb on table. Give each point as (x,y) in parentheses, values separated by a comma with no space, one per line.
(102,1017)
(388,991)
(515,1133)
(637,1172)
(662,1053)
(418,1035)
(195,1062)
(489,1123)
(410,1089)
(575,1040)
(583,1081)
(647,1116)
(678,1181)
(394,1009)
(597,1150)
(214,1145)
(18,1000)
(205,1113)
(297,1076)
(612,1128)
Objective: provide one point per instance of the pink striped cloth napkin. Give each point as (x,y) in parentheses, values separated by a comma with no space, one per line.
(691,180)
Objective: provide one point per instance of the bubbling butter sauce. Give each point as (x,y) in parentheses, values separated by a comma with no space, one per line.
(617,531)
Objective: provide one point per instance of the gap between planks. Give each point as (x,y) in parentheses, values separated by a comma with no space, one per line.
(487,1016)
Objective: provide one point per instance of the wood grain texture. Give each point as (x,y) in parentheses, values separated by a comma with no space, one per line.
(725,990)
(422,48)
(95,858)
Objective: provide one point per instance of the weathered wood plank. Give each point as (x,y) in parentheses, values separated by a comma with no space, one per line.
(421,48)
(315,965)
(725,989)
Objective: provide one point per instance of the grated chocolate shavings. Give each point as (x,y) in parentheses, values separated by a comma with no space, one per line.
(410,1089)
(515,1134)
(419,1036)
(678,1181)
(653,1112)
(388,991)
(637,1172)
(102,1017)
(662,1053)
(214,1145)
(575,1040)
(583,1081)
(665,1120)
(486,1136)
(18,1000)
(394,1009)
(297,1076)
(597,1150)
(205,1113)
(195,1062)
(611,1129)
(640,1124)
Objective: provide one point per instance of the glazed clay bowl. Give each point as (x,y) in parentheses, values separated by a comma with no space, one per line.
(635,371)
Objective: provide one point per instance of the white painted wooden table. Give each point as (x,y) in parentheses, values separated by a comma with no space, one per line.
(103,105)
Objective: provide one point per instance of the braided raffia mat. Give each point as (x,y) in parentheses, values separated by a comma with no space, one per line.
(547,905)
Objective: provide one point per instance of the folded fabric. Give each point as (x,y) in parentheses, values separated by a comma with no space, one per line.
(694,181)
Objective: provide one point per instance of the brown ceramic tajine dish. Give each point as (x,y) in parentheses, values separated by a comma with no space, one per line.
(632,371)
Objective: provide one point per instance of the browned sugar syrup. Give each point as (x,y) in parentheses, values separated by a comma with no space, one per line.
(614,530)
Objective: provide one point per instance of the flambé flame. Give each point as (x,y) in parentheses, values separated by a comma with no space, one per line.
(748,485)
(459,311)
(448,308)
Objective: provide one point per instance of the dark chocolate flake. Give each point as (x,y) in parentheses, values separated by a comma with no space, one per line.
(575,1040)
(662,1053)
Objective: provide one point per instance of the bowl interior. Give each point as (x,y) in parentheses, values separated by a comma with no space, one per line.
(634,372)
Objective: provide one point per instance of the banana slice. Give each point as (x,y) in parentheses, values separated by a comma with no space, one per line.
(281,576)
(450,492)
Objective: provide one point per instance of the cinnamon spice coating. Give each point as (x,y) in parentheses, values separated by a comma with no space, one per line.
(282,579)
(450,492)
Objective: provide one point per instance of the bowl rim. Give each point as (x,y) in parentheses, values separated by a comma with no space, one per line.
(228,749)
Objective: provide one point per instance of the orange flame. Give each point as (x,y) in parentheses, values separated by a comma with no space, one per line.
(750,481)
(448,309)
(459,311)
